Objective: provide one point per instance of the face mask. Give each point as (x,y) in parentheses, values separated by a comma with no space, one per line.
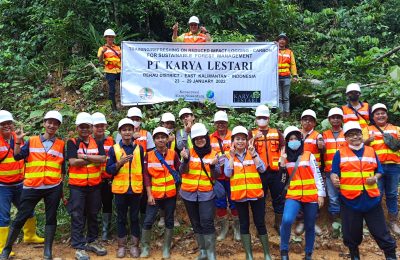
(169,130)
(294,145)
(136,124)
(353,97)
(358,147)
(262,122)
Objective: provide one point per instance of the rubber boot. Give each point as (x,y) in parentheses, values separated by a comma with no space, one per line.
(354,254)
(265,245)
(167,243)
(284,255)
(12,237)
(121,251)
(49,233)
(30,232)
(106,226)
(210,246)
(236,228)
(145,243)
(134,249)
(224,228)
(277,223)
(393,226)
(3,238)
(391,254)
(308,256)
(246,242)
(202,247)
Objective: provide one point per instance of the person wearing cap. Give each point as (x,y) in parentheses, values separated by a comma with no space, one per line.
(196,32)
(85,157)
(43,175)
(389,159)
(355,110)
(110,54)
(161,190)
(125,163)
(244,166)
(333,140)
(183,139)
(287,70)
(199,166)
(356,170)
(268,143)
(305,190)
(99,134)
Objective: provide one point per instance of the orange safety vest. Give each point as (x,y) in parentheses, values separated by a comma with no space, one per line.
(196,179)
(302,187)
(349,115)
(332,145)
(128,176)
(225,144)
(354,172)
(89,175)
(267,148)
(142,140)
(245,180)
(11,171)
(112,61)
(44,168)
(385,154)
(194,38)
(284,60)
(108,143)
(162,182)
(310,145)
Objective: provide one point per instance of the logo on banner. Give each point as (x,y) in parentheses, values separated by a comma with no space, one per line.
(146,93)
(246,96)
(210,94)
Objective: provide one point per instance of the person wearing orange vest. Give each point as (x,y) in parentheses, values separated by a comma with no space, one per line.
(125,163)
(183,139)
(196,34)
(110,54)
(86,157)
(333,140)
(355,110)
(356,170)
(389,159)
(199,167)
(287,71)
(305,190)
(43,175)
(99,134)
(243,166)
(161,190)
(268,143)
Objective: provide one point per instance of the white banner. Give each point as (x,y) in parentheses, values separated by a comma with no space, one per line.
(230,74)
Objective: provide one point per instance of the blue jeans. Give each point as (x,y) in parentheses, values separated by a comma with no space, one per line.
(388,185)
(8,195)
(333,195)
(284,92)
(292,207)
(223,203)
(111,79)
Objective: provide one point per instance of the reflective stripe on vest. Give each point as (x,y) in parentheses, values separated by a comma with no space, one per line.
(267,148)
(385,154)
(11,171)
(332,145)
(112,62)
(310,144)
(162,182)
(349,115)
(190,38)
(284,60)
(108,143)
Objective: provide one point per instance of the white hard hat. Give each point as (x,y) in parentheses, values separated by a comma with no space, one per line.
(83,118)
(5,116)
(194,19)
(197,130)
(160,129)
(335,111)
(185,110)
(351,125)
(54,115)
(167,117)
(99,118)
(290,129)
(134,111)
(109,32)
(377,106)
(353,87)
(125,121)
(221,116)
(309,112)
(239,130)
(262,110)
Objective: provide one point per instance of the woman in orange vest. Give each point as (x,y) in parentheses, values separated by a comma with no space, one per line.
(125,164)
(355,171)
(196,34)
(161,190)
(200,165)
(243,167)
(44,171)
(355,110)
(305,190)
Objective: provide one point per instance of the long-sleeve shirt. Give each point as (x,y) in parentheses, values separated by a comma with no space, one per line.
(319,181)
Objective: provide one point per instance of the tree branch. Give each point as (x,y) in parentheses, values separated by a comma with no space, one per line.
(387,54)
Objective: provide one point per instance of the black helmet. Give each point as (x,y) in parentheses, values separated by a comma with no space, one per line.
(282,35)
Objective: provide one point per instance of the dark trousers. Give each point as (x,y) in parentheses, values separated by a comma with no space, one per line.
(168,206)
(84,205)
(123,202)
(111,79)
(272,180)
(258,210)
(201,215)
(352,226)
(143,203)
(31,197)
(106,196)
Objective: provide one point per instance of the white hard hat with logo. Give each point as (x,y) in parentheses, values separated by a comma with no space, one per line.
(54,115)
(83,118)
(239,130)
(134,111)
(335,111)
(290,129)
(167,117)
(262,110)
(351,125)
(125,121)
(109,32)
(309,112)
(185,110)
(197,130)
(194,19)
(160,129)
(221,116)
(378,106)
(99,118)
(5,116)
(353,87)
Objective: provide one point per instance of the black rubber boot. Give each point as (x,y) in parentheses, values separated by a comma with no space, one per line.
(12,237)
(354,254)
(49,233)
(391,255)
